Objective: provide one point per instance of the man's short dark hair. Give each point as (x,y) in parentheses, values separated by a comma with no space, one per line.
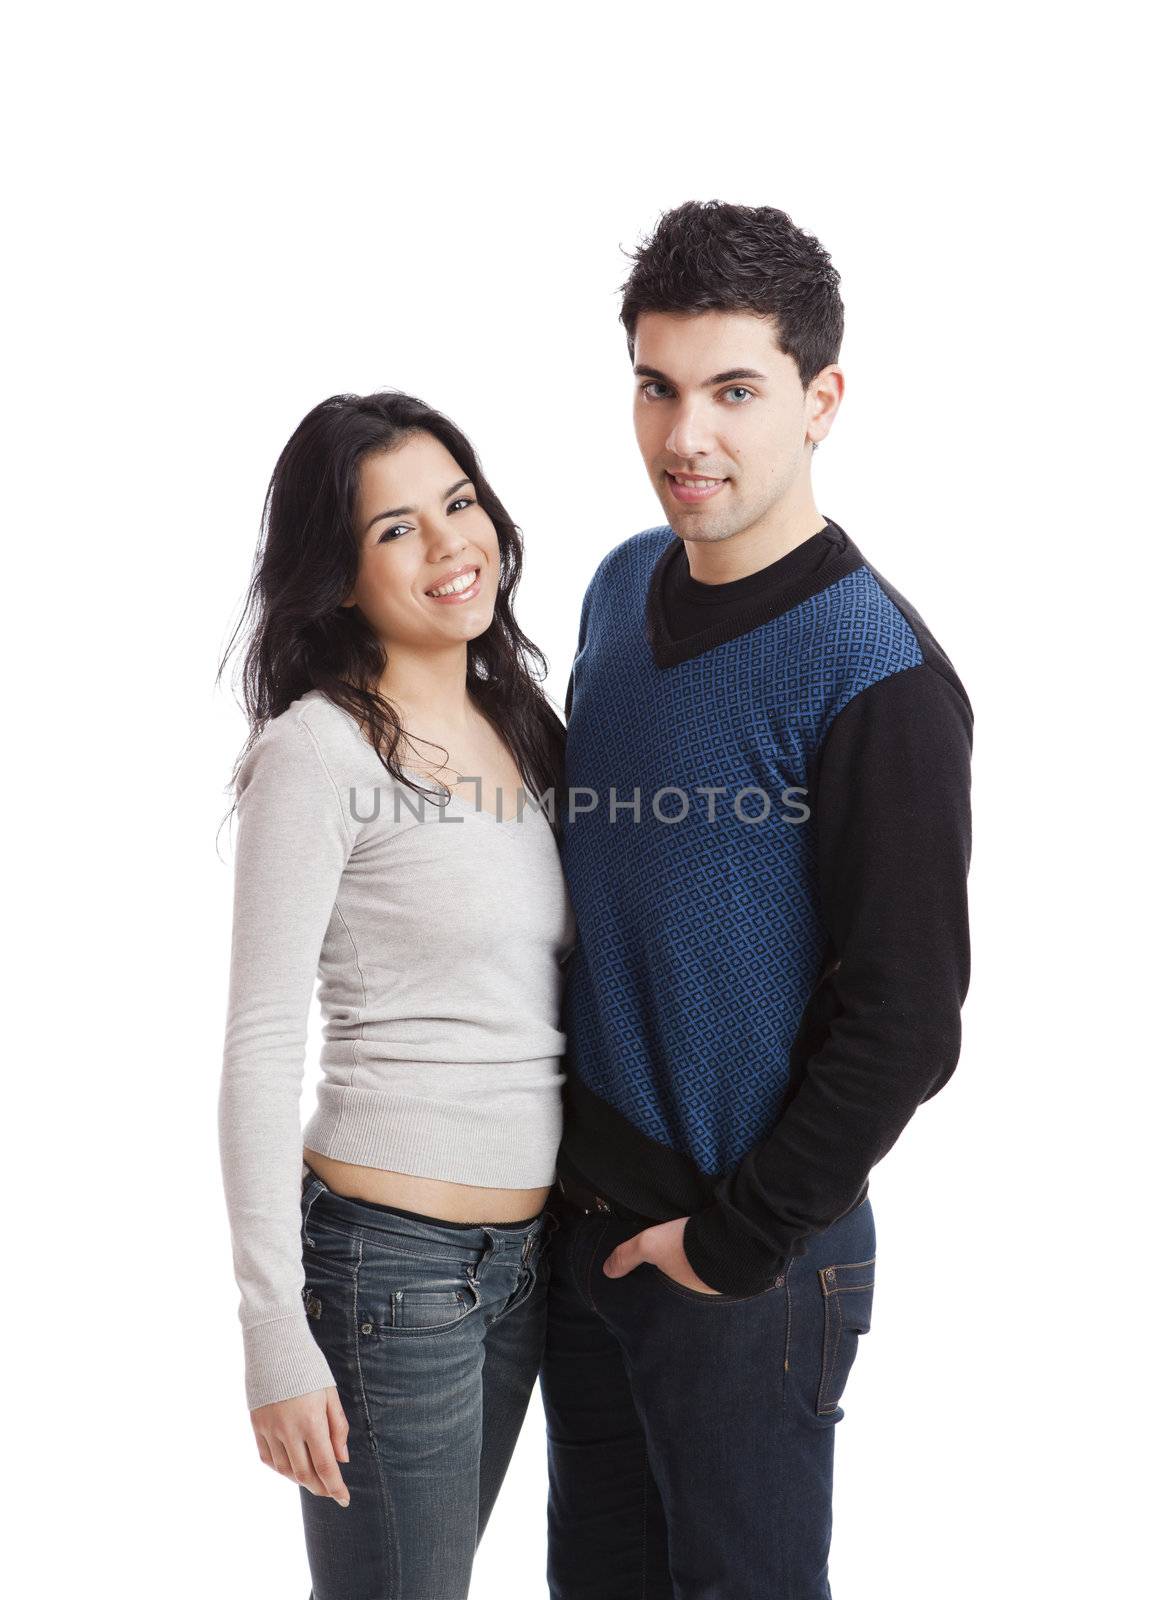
(709,256)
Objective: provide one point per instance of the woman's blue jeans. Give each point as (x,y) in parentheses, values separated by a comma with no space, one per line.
(434,1333)
(690,1435)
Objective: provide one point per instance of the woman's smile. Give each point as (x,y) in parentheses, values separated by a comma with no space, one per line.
(463,585)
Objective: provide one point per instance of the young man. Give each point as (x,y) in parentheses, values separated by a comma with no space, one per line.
(766,838)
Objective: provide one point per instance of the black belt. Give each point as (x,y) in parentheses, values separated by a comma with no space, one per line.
(573,1195)
(581,1198)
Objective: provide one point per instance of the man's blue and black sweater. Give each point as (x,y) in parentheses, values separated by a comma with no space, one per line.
(766,841)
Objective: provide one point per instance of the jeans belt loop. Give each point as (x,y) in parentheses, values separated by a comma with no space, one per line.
(313,1189)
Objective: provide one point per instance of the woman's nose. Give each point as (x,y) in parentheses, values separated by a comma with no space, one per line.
(445,541)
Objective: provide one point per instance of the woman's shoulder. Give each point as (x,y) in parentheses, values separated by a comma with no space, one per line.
(314,731)
(335,731)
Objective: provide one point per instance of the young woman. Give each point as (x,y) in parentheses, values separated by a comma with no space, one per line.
(397,837)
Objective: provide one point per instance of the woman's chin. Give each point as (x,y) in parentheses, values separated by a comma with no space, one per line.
(468,622)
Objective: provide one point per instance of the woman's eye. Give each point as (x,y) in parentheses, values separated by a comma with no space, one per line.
(398,528)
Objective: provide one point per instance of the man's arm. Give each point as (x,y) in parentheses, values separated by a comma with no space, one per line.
(892,816)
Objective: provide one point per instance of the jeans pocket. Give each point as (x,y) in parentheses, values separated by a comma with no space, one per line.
(403,1291)
(688,1293)
(429,1308)
(847,1288)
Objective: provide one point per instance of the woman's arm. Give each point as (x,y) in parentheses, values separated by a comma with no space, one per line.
(294,837)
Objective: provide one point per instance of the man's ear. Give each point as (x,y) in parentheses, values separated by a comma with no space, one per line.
(826,391)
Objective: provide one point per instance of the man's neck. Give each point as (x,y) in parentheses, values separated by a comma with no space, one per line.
(752,549)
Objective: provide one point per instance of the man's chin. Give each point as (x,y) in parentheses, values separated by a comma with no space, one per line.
(698,528)
(695,522)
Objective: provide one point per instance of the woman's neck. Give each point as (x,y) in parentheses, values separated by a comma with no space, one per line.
(430,690)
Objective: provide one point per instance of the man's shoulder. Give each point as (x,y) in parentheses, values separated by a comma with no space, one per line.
(638,553)
(905,619)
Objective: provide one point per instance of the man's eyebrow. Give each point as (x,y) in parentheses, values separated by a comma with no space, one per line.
(720,377)
(410,511)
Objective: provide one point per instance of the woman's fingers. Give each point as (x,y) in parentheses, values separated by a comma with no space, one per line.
(337,1425)
(326,1472)
(280,1458)
(297,1438)
(302,1469)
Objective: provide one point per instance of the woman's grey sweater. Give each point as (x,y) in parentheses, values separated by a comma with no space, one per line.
(438,934)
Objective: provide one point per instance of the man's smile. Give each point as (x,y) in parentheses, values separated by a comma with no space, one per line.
(691,487)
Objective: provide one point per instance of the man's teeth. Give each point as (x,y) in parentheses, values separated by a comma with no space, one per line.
(464,581)
(695,483)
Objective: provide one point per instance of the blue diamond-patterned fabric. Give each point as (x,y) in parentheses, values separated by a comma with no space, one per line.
(699,940)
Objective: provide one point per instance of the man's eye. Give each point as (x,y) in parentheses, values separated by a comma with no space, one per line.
(653,383)
(738,389)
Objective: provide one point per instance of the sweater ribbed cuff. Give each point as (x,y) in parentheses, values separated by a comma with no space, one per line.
(726,1256)
(282,1360)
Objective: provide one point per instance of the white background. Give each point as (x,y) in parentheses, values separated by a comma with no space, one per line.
(221,214)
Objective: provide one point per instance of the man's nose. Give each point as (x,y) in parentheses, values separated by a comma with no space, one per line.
(688,437)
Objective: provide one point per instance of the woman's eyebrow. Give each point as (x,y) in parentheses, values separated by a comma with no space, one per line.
(410,511)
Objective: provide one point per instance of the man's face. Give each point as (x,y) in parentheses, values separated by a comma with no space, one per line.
(715,398)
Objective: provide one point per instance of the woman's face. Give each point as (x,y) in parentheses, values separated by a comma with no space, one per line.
(420,528)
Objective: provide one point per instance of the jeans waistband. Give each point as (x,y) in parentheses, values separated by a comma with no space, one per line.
(370,1214)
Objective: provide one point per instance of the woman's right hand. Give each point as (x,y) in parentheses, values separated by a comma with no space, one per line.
(303,1438)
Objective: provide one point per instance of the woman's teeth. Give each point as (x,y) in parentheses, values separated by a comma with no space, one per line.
(458,585)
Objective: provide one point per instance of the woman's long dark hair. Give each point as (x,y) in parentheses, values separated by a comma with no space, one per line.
(301,637)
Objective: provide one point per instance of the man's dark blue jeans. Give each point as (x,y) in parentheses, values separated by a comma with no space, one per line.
(690,1436)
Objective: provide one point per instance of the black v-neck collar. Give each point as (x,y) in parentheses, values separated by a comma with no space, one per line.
(668,651)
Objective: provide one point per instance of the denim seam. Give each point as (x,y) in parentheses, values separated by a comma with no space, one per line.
(788,1311)
(834,1333)
(519,1296)
(591,1298)
(389,1512)
(832,1336)
(644,1528)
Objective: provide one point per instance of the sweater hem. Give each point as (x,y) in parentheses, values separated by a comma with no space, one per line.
(490,1145)
(649,1183)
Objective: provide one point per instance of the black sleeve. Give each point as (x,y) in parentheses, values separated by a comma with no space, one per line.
(568,698)
(891,809)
